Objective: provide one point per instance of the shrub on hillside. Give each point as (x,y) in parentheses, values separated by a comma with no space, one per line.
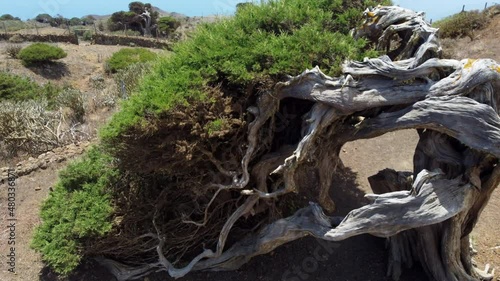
(72,99)
(38,53)
(167,25)
(87,35)
(13,50)
(182,107)
(78,207)
(128,79)
(29,127)
(128,56)
(18,88)
(461,24)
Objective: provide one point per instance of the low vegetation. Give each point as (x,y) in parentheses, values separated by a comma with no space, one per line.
(39,53)
(462,24)
(34,118)
(13,50)
(128,56)
(77,209)
(16,38)
(167,25)
(18,88)
(58,21)
(6,17)
(128,79)
(192,101)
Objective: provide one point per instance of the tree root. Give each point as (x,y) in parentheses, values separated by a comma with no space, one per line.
(426,215)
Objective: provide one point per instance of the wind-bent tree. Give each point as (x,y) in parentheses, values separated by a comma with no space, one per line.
(140,17)
(44,18)
(261,145)
(428,216)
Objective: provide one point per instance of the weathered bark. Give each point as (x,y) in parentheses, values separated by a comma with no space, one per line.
(426,215)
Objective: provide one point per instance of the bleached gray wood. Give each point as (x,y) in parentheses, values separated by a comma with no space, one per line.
(428,216)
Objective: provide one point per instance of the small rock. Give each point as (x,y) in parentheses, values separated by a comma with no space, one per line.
(60,159)
(31,159)
(38,188)
(41,156)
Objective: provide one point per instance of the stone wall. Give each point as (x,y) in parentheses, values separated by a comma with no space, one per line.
(104,39)
(73,39)
(57,155)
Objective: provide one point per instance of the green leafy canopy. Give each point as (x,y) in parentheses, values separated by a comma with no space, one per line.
(260,43)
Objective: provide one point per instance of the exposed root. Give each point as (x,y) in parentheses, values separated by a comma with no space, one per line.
(426,215)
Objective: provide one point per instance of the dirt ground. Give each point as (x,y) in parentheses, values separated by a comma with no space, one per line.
(359,258)
(83,62)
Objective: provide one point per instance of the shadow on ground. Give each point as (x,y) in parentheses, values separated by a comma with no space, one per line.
(359,258)
(51,71)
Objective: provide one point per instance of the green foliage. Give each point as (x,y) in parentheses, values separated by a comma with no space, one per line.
(88,20)
(17,88)
(120,19)
(461,24)
(168,24)
(88,35)
(5,17)
(100,26)
(216,126)
(128,56)
(15,25)
(261,43)
(75,21)
(136,7)
(58,21)
(257,47)
(44,18)
(39,53)
(77,209)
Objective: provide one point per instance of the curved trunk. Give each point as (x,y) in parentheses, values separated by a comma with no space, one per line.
(427,215)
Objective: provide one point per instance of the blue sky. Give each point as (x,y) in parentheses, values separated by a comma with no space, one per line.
(434,9)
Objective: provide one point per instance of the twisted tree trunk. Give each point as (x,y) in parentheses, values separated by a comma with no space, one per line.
(426,215)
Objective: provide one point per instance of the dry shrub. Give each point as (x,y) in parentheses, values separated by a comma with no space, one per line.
(105,98)
(461,24)
(128,79)
(30,127)
(16,39)
(13,50)
(73,100)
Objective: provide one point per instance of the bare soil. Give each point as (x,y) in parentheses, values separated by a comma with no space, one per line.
(358,258)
